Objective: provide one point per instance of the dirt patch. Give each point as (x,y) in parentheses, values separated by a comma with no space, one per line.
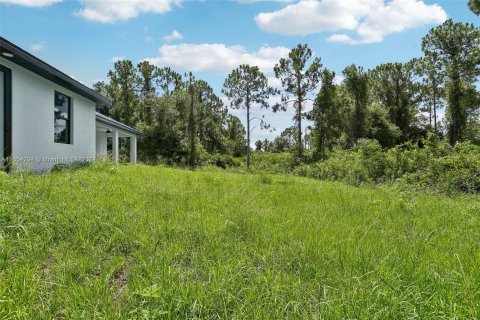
(120,278)
(119,284)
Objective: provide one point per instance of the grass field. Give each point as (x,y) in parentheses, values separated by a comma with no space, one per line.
(139,242)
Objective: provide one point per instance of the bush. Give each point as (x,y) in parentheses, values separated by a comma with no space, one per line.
(272,162)
(372,162)
(433,164)
(223,161)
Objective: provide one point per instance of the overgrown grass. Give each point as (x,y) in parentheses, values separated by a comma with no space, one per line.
(139,242)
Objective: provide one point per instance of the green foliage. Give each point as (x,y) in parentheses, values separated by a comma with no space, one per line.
(298,80)
(122,88)
(139,242)
(470,101)
(235,133)
(326,115)
(456,47)
(223,161)
(283,143)
(395,88)
(273,162)
(357,86)
(191,124)
(435,165)
(379,126)
(364,164)
(432,87)
(474,5)
(186,122)
(247,87)
(265,179)
(104,89)
(149,74)
(159,103)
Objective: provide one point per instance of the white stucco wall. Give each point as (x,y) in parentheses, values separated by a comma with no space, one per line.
(33,145)
(101,143)
(102,136)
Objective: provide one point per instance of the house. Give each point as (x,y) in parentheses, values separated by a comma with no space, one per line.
(47,117)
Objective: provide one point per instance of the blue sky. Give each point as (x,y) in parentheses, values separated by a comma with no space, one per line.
(83,38)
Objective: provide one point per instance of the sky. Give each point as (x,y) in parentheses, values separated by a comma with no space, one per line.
(83,38)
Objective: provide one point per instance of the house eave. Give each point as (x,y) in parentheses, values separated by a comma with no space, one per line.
(28,61)
(116,124)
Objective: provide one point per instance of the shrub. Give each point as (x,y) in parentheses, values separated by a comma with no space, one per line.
(223,161)
(433,164)
(372,162)
(272,162)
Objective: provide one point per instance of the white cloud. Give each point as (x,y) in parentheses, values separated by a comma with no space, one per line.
(372,20)
(275,82)
(31,3)
(149,38)
(343,38)
(117,58)
(216,57)
(311,16)
(37,46)
(175,35)
(109,11)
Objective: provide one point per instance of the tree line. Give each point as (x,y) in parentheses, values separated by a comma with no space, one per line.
(183,121)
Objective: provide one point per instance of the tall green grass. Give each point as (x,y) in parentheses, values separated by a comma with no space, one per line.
(139,242)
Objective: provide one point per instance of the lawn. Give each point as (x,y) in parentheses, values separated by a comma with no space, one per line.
(140,242)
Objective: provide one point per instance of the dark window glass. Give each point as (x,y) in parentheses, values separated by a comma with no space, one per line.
(62,118)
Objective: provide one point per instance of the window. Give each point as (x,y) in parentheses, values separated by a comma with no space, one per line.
(62,118)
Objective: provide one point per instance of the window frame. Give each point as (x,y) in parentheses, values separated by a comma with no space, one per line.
(6,127)
(68,125)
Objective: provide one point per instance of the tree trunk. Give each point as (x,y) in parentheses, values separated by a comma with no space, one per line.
(322,143)
(248,129)
(456,114)
(434,83)
(299,118)
(191,128)
(430,117)
(299,142)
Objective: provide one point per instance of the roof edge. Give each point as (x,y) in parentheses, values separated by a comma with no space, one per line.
(37,65)
(107,120)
